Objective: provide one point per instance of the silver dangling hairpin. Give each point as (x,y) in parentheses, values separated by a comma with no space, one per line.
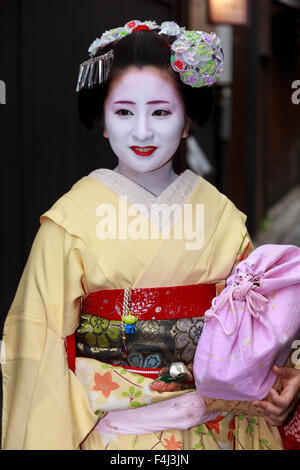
(94,71)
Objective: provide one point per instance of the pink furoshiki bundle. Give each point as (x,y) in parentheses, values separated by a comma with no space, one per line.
(251,326)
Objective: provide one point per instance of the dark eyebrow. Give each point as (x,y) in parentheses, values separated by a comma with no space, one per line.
(149,102)
(158,102)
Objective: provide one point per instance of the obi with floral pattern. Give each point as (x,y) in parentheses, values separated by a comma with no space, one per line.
(168,328)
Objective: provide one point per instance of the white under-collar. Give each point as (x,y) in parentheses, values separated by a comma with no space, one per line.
(176,193)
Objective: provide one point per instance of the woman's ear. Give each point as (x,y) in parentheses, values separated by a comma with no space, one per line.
(103,128)
(186,129)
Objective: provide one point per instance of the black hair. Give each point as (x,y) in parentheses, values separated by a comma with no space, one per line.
(141,49)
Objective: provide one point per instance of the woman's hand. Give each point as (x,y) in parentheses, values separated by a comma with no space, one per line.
(281,405)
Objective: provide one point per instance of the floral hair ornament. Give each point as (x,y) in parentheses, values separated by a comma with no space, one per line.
(196,55)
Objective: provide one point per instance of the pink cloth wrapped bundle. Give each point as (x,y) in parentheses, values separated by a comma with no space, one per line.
(250,326)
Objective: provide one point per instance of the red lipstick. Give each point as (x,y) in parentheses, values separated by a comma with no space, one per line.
(144,151)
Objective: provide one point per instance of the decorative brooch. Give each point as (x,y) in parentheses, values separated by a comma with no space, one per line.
(176,376)
(196,55)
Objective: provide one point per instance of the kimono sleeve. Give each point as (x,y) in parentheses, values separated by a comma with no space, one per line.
(44,404)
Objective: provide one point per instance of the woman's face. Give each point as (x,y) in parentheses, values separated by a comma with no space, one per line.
(144,118)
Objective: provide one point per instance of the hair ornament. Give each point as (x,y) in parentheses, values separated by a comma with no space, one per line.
(170,28)
(198,58)
(196,55)
(94,71)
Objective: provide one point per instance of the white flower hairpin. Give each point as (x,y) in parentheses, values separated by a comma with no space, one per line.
(196,55)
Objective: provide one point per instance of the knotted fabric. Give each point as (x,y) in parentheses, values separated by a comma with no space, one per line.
(242,289)
(250,326)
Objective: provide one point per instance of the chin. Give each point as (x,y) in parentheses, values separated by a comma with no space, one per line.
(143,164)
(146,168)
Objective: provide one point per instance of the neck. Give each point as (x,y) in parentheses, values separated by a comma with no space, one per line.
(154,181)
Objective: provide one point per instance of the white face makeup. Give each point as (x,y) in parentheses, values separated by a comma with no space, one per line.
(144,119)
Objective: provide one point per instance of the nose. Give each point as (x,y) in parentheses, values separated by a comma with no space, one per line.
(142,129)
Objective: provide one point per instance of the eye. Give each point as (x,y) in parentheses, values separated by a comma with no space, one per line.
(123,112)
(161,112)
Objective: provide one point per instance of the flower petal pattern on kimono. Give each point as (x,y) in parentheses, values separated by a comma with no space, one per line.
(215,425)
(104,383)
(172,444)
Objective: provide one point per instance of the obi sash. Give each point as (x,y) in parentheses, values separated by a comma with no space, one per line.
(169,326)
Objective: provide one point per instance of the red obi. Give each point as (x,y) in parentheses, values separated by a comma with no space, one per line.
(161,303)
(168,327)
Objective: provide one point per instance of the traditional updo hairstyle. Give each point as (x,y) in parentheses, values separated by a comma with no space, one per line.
(141,49)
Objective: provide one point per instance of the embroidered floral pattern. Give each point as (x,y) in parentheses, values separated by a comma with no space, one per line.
(147,361)
(172,444)
(113,388)
(150,330)
(143,300)
(104,384)
(186,334)
(98,331)
(155,343)
(215,425)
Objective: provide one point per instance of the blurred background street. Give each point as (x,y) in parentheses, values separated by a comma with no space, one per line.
(282,222)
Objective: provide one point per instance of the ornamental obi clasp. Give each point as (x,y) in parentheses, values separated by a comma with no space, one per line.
(176,372)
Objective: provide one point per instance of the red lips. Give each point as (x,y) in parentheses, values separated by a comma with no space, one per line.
(143,151)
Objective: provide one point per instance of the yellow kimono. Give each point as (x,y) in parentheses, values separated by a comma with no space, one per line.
(47,406)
